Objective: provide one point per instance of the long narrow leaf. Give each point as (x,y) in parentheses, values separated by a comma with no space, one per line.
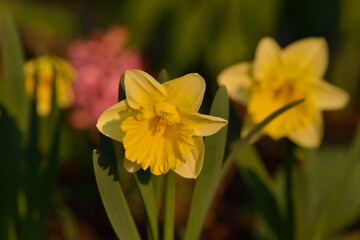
(343,178)
(50,173)
(261,186)
(13,59)
(144,180)
(30,189)
(113,199)
(210,176)
(10,160)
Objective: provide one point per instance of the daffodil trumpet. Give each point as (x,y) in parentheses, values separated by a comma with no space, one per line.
(159,124)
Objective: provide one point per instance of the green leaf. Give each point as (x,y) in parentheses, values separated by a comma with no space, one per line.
(313,187)
(12,58)
(144,180)
(333,216)
(113,199)
(303,208)
(210,176)
(48,170)
(159,187)
(249,159)
(261,186)
(342,178)
(10,161)
(326,201)
(148,186)
(347,210)
(169,208)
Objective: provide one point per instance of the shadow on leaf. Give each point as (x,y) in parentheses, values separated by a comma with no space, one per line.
(104,163)
(144,176)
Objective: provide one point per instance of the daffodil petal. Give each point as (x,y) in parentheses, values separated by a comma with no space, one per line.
(194,161)
(311,54)
(110,121)
(237,81)
(267,56)
(203,125)
(187,91)
(43,98)
(64,69)
(64,93)
(142,89)
(311,136)
(330,97)
(131,166)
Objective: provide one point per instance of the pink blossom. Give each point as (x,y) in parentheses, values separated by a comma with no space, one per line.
(99,63)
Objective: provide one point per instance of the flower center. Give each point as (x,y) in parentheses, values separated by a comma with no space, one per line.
(168,115)
(167,112)
(285,93)
(278,89)
(164,114)
(156,138)
(161,125)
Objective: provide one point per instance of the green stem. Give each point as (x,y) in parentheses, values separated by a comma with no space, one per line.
(169,208)
(246,140)
(289,160)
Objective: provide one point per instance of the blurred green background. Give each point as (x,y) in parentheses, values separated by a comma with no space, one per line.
(187,36)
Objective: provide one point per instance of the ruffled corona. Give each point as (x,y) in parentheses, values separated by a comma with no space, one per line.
(159,125)
(157,139)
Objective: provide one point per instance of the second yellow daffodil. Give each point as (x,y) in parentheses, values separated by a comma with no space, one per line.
(278,77)
(159,124)
(44,71)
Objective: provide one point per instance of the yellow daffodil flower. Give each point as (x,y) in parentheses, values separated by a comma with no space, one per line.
(278,77)
(159,125)
(44,70)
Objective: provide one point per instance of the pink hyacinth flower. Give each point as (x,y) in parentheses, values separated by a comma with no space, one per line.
(99,63)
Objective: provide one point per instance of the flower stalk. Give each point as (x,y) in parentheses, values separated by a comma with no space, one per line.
(288,164)
(169,208)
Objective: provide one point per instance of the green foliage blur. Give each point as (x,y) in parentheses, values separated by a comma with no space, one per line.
(203,36)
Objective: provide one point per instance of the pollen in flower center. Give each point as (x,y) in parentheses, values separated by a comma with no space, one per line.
(285,92)
(157,138)
(167,112)
(277,90)
(161,125)
(285,84)
(162,114)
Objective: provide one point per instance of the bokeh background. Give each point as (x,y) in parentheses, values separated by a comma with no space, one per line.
(102,39)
